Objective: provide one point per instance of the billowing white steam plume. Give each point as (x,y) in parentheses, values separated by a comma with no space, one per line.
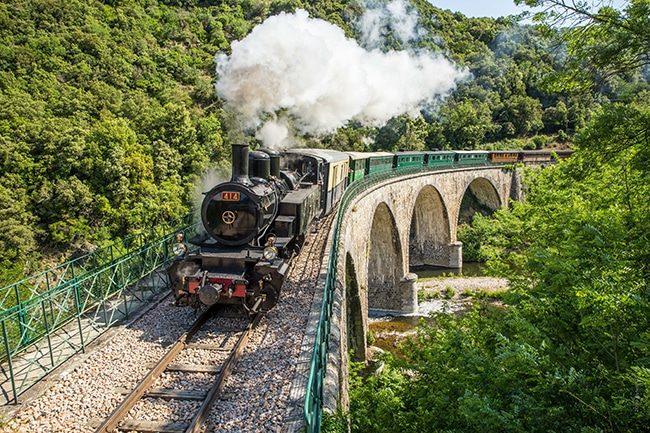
(399,16)
(319,78)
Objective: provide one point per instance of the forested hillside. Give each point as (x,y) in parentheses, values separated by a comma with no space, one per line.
(568,349)
(109,116)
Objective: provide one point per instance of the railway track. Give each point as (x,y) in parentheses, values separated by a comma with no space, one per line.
(263,394)
(220,341)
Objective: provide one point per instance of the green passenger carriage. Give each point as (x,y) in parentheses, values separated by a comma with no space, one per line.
(379,161)
(471,157)
(405,159)
(358,163)
(439,158)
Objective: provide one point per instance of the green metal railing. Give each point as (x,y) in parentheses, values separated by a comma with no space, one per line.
(47,318)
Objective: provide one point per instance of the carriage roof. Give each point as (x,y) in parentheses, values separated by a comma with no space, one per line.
(327,155)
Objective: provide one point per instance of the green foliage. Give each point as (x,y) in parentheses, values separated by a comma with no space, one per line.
(602,42)
(376,406)
(493,371)
(521,115)
(539,141)
(403,132)
(494,239)
(427,296)
(467,123)
(449,292)
(370,338)
(17,231)
(334,422)
(107,116)
(486,294)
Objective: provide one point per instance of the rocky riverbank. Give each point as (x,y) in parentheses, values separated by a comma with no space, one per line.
(449,294)
(462,286)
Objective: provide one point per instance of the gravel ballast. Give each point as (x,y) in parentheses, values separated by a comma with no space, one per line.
(254,398)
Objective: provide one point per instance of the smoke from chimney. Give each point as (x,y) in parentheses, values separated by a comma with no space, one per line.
(312,74)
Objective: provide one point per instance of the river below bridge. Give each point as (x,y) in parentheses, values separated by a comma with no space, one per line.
(438,290)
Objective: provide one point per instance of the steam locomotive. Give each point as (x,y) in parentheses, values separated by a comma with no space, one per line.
(256,223)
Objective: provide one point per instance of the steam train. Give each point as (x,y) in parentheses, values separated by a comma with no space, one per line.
(256,223)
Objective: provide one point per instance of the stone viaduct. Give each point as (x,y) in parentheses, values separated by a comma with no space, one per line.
(402,222)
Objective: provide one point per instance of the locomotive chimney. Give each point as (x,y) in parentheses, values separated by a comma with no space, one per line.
(240,164)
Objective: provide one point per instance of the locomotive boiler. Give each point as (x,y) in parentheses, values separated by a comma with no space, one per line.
(253,225)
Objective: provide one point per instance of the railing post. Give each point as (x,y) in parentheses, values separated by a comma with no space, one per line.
(22,325)
(47,331)
(9,361)
(126,301)
(77,304)
(105,296)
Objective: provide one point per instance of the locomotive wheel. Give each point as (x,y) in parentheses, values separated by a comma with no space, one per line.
(292,249)
(295,250)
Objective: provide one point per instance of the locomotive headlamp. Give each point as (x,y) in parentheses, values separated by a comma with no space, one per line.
(270,252)
(179,248)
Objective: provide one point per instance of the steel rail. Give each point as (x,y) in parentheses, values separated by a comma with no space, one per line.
(111,423)
(197,424)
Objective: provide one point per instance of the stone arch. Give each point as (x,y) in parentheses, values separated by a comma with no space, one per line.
(484,193)
(355,325)
(385,261)
(430,234)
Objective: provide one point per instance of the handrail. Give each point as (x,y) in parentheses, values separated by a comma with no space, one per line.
(56,313)
(10,296)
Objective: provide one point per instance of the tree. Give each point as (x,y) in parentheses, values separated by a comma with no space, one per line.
(600,41)
(467,123)
(521,116)
(556,118)
(18,233)
(403,132)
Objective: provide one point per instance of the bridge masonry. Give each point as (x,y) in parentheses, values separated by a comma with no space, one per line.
(402,222)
